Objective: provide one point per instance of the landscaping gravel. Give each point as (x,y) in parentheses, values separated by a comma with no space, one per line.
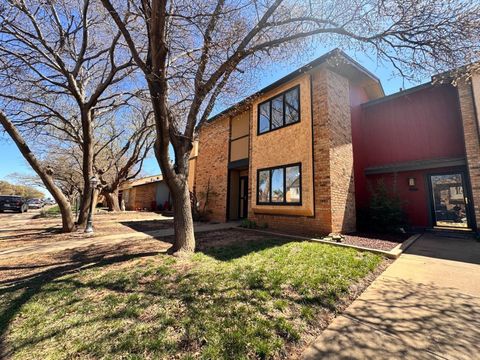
(384,242)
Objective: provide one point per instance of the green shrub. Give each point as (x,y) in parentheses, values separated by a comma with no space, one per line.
(385,212)
(248,224)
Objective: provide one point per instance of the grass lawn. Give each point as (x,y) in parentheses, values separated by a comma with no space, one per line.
(51,211)
(260,298)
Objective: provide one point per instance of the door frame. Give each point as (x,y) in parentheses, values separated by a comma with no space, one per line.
(245,198)
(467,194)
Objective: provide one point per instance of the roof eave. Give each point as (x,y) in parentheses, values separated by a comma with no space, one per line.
(304,69)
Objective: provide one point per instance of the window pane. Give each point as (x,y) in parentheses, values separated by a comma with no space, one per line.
(277,185)
(264,186)
(277,112)
(293,184)
(449,200)
(264,122)
(292,106)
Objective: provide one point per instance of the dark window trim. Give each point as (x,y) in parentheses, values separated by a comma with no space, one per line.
(466,187)
(284,202)
(269,100)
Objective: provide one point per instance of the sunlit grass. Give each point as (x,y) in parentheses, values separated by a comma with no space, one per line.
(254,300)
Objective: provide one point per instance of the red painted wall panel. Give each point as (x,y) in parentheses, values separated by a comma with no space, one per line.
(420,125)
(414,202)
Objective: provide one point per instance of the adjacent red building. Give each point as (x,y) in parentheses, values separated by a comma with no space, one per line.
(413,141)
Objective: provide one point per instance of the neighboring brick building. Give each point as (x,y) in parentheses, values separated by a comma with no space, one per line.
(300,154)
(148,193)
(151,192)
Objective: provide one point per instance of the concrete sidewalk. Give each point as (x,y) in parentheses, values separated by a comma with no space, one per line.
(104,240)
(425,305)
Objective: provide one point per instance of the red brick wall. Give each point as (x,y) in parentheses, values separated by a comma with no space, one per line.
(145,195)
(472,142)
(211,168)
(334,199)
(332,182)
(341,155)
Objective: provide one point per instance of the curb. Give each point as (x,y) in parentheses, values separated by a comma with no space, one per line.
(392,254)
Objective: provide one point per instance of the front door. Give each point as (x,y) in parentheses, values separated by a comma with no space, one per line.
(243,198)
(449,200)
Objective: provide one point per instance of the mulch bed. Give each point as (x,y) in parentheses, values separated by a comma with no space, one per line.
(376,241)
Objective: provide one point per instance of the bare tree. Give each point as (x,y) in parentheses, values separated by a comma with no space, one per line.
(123,139)
(66,167)
(65,182)
(44,173)
(196,48)
(62,65)
(121,149)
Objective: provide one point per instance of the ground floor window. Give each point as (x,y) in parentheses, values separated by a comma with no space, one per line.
(280,185)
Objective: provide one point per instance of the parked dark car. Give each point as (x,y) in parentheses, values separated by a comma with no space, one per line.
(13,202)
(35,204)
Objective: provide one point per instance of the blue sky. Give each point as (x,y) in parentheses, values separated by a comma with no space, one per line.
(12,161)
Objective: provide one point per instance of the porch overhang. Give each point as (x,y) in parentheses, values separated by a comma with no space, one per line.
(239,164)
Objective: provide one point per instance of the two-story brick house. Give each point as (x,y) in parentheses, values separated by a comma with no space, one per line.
(299,154)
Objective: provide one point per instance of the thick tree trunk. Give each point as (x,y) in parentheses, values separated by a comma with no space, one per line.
(68,221)
(62,201)
(112,200)
(84,207)
(87,166)
(182,220)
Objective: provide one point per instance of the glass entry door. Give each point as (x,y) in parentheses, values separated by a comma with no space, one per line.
(449,200)
(243,197)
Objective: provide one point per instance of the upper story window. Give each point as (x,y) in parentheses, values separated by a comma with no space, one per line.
(279,111)
(280,185)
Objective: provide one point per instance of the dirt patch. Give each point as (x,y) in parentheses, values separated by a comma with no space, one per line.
(26,268)
(48,231)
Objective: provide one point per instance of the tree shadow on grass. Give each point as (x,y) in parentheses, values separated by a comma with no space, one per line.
(248,244)
(224,245)
(29,285)
(237,299)
(149,225)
